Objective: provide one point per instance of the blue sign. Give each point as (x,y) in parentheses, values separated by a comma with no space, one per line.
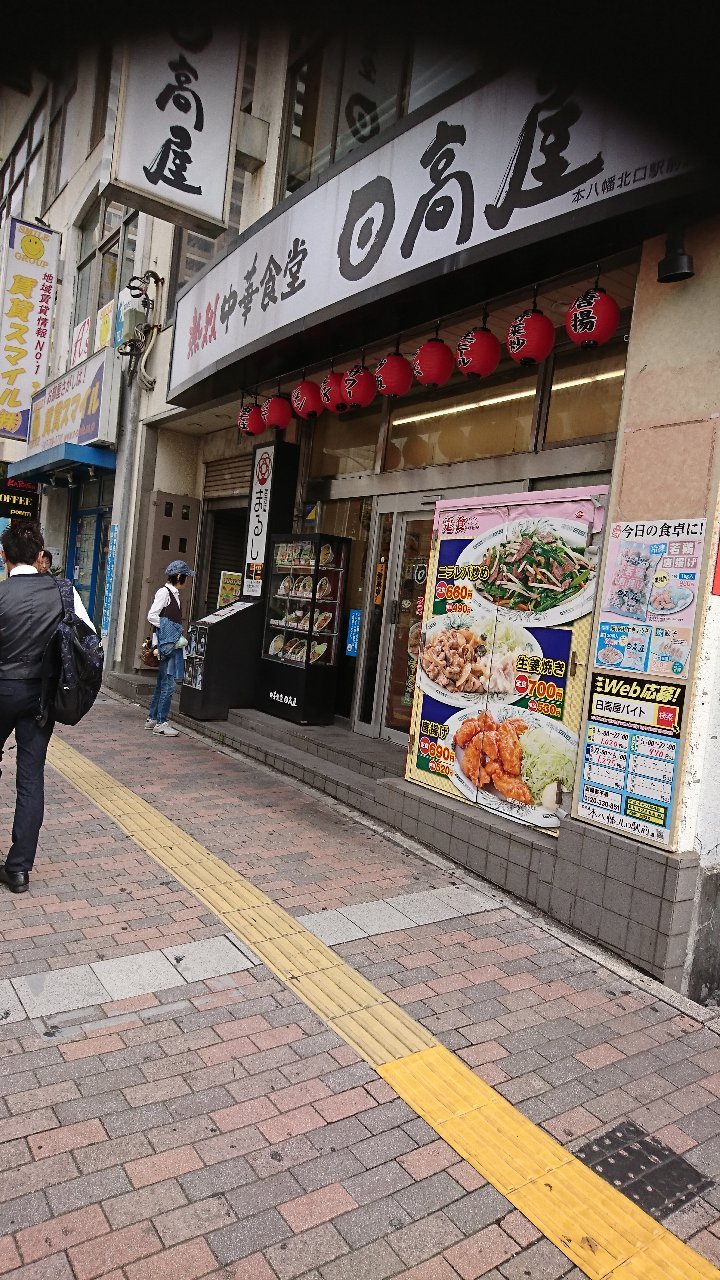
(353,633)
(109,576)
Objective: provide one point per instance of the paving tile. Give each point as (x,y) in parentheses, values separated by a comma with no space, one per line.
(425,907)
(136,975)
(466,902)
(331,927)
(11,1010)
(209,958)
(60,990)
(377,917)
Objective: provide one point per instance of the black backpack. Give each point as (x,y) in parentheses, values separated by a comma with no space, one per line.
(72,666)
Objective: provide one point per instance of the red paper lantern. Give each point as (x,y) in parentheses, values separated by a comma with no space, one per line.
(394,375)
(478,353)
(592,319)
(307,400)
(359,387)
(331,393)
(254,424)
(277,412)
(531,337)
(433,363)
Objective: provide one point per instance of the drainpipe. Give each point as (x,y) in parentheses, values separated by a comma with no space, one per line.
(129,427)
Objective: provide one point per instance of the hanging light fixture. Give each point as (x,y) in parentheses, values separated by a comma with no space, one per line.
(254,421)
(394,374)
(433,362)
(277,412)
(677,264)
(531,336)
(478,351)
(306,399)
(331,392)
(358,386)
(593,317)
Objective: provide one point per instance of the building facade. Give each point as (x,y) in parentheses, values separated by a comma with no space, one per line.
(380,201)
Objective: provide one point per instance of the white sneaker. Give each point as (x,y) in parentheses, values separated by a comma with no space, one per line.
(166,730)
(150,724)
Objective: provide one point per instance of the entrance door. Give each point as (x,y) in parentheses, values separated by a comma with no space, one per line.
(394,614)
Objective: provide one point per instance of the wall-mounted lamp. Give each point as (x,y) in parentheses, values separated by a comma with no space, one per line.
(677,264)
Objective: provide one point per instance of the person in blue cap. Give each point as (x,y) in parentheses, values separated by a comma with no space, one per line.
(168,641)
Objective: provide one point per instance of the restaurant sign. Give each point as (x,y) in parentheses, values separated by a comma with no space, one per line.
(81,407)
(28,278)
(259,519)
(170,147)
(504,159)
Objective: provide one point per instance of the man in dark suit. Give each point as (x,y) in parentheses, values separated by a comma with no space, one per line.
(30,609)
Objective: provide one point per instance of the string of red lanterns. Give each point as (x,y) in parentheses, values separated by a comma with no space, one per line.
(591,320)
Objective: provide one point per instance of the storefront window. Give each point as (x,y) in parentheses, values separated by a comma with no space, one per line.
(108,236)
(349,518)
(484,422)
(21,174)
(586,395)
(342,446)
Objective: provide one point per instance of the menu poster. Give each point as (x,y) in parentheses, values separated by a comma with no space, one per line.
(509,581)
(649,596)
(630,756)
(231,587)
(195,656)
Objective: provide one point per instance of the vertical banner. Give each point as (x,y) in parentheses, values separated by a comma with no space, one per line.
(259,519)
(28,278)
(498,703)
(632,738)
(109,581)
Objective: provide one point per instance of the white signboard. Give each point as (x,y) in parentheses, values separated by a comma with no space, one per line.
(259,517)
(172,150)
(506,157)
(79,408)
(28,276)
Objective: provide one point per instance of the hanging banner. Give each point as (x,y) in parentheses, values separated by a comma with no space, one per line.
(649,596)
(81,407)
(109,581)
(498,702)
(28,278)
(170,148)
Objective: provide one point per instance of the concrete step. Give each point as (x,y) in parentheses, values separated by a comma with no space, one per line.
(336,743)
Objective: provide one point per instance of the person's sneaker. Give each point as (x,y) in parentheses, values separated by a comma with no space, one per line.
(150,724)
(166,730)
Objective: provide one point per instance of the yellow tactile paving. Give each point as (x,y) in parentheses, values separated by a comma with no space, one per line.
(598,1228)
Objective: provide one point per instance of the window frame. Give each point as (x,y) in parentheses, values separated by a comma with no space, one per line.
(9,180)
(61,96)
(101,244)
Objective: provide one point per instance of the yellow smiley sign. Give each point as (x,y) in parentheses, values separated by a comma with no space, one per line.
(32,247)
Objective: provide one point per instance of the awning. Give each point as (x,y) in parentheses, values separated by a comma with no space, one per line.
(62,457)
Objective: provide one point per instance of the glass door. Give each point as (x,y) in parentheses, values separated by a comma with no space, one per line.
(85,540)
(414,538)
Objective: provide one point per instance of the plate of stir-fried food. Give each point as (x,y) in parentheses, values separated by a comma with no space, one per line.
(466,657)
(535,568)
(516,762)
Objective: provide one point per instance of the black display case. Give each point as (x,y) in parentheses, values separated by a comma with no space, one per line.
(303,620)
(221,661)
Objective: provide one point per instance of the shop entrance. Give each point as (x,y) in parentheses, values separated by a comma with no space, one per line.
(90,541)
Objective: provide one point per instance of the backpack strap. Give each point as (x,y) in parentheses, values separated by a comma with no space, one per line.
(66,589)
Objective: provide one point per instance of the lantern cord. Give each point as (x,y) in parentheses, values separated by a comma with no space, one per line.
(485,316)
(597,275)
(437,329)
(535,294)
(397,345)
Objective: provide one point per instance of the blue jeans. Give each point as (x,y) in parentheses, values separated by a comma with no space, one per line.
(19,704)
(159,708)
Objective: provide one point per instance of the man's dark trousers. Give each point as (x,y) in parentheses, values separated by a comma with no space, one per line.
(19,703)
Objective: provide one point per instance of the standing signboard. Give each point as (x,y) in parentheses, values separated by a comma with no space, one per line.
(505,637)
(170,148)
(28,278)
(274,473)
(633,735)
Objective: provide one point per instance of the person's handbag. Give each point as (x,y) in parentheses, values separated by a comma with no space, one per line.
(148,656)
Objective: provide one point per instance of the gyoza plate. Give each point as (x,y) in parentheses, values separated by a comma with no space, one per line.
(489,797)
(574,533)
(481,620)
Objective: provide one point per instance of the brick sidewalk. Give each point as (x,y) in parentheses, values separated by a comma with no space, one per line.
(218,1128)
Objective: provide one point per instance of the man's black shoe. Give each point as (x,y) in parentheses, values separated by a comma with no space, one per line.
(16,881)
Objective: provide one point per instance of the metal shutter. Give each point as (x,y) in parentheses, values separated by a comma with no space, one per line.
(228,477)
(227,548)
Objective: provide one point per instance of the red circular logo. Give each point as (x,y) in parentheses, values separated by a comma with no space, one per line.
(522,684)
(263,468)
(440,590)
